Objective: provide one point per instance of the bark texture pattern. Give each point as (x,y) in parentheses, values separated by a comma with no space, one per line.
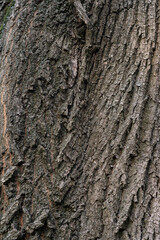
(79,120)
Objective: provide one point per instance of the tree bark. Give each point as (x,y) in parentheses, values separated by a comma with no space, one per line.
(79,120)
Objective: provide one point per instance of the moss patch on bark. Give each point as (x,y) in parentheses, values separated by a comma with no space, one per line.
(5,14)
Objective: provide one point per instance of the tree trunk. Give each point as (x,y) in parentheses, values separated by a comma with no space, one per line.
(79,120)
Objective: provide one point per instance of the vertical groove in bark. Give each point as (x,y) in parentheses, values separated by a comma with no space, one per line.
(80,121)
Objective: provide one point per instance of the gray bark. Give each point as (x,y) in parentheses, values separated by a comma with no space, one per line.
(79,120)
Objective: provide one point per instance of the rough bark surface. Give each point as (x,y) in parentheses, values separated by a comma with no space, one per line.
(79,120)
